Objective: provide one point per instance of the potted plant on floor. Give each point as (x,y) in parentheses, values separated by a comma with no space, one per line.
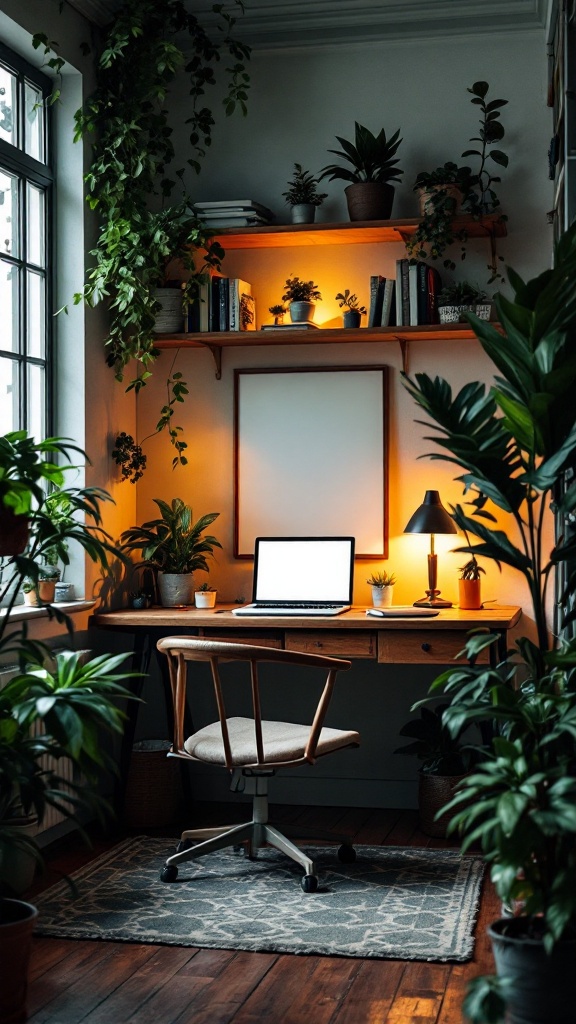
(175,547)
(381,584)
(462,297)
(301,296)
(303,196)
(445,763)
(516,446)
(374,166)
(353,311)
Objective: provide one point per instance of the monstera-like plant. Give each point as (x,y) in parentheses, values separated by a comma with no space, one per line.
(515,447)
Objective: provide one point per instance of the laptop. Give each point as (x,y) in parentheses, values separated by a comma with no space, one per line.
(301,576)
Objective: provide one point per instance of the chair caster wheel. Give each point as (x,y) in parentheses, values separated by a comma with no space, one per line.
(184,844)
(169,873)
(309,883)
(346,854)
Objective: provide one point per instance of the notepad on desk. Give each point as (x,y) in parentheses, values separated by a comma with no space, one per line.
(399,611)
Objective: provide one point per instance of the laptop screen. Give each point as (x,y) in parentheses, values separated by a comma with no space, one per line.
(304,569)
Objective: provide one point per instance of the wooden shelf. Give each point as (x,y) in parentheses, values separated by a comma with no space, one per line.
(218,340)
(349,233)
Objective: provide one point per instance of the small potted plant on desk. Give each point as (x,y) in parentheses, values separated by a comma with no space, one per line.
(470,585)
(175,547)
(301,295)
(353,311)
(303,196)
(205,596)
(381,584)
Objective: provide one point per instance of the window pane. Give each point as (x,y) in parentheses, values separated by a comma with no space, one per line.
(36,401)
(10,318)
(9,396)
(8,213)
(34,122)
(36,313)
(36,222)
(7,106)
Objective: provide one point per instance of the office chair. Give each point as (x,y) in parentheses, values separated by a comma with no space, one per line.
(251,749)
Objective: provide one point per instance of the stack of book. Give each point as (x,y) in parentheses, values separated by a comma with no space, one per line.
(225,304)
(382,309)
(233,213)
(417,287)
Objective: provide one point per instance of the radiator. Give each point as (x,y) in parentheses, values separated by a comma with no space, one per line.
(52,816)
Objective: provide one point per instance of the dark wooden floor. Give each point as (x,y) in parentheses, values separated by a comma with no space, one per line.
(108,982)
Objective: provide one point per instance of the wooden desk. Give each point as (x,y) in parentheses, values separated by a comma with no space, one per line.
(415,641)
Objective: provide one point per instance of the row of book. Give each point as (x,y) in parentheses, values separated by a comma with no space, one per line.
(233,213)
(408,299)
(225,304)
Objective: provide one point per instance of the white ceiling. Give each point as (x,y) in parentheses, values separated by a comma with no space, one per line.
(285,23)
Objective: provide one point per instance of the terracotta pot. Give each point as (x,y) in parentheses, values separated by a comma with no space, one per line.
(13,533)
(17,921)
(46,591)
(470,593)
(370,200)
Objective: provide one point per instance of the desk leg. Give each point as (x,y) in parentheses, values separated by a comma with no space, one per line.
(140,663)
(162,662)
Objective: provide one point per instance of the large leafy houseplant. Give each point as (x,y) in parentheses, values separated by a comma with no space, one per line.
(173,543)
(373,168)
(516,448)
(144,236)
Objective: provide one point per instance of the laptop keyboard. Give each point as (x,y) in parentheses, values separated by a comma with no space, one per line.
(290,608)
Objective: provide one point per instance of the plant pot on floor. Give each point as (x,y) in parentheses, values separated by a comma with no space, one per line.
(370,200)
(170,318)
(303,213)
(176,589)
(301,312)
(17,920)
(542,986)
(434,792)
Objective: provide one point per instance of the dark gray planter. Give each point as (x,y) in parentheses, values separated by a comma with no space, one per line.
(303,213)
(301,311)
(542,986)
(351,318)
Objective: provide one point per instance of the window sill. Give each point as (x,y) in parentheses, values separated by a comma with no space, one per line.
(28,612)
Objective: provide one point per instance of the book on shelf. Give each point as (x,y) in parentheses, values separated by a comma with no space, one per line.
(242,312)
(300,325)
(388,318)
(376,297)
(434,284)
(226,206)
(402,293)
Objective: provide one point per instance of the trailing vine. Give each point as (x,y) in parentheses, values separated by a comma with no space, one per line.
(144,237)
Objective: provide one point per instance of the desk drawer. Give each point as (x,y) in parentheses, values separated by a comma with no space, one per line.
(345,644)
(259,639)
(422,646)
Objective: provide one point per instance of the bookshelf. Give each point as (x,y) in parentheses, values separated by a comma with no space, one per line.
(350,233)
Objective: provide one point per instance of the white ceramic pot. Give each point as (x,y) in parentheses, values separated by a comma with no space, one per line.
(176,589)
(64,592)
(31,598)
(205,598)
(382,597)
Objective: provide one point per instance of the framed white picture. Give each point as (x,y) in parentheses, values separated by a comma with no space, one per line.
(311,455)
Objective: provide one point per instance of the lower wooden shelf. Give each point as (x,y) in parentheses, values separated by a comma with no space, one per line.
(218,340)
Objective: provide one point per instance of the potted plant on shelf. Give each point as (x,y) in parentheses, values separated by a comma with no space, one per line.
(516,445)
(445,762)
(278,312)
(374,166)
(303,196)
(205,596)
(381,584)
(462,297)
(301,296)
(175,548)
(353,311)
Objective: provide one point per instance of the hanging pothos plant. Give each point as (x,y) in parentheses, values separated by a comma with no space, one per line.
(143,234)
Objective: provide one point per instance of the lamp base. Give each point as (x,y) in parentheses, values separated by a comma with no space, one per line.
(432,601)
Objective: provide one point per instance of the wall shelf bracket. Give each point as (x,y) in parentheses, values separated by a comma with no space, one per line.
(403,342)
(216,351)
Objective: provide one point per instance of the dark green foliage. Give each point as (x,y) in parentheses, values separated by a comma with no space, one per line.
(173,543)
(440,752)
(462,293)
(301,291)
(372,157)
(346,298)
(303,189)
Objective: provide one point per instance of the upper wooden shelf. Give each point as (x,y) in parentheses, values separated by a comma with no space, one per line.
(276,236)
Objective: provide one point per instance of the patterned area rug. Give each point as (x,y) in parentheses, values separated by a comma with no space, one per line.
(394,903)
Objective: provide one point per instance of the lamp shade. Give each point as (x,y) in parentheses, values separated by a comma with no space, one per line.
(431,517)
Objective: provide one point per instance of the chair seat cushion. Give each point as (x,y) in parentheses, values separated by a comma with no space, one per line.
(283,741)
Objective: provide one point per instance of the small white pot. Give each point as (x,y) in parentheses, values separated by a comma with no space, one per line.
(205,598)
(382,597)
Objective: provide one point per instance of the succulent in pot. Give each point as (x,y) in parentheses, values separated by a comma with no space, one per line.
(470,584)
(353,311)
(205,596)
(373,168)
(381,584)
(303,196)
(301,296)
(175,547)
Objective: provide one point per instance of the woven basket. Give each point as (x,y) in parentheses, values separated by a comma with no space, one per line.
(434,792)
(154,788)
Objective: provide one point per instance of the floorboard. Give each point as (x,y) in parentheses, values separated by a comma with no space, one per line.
(83,982)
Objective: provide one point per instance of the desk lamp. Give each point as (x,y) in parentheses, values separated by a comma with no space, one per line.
(431,517)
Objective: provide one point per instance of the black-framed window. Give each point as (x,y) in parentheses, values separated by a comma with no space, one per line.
(26,181)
